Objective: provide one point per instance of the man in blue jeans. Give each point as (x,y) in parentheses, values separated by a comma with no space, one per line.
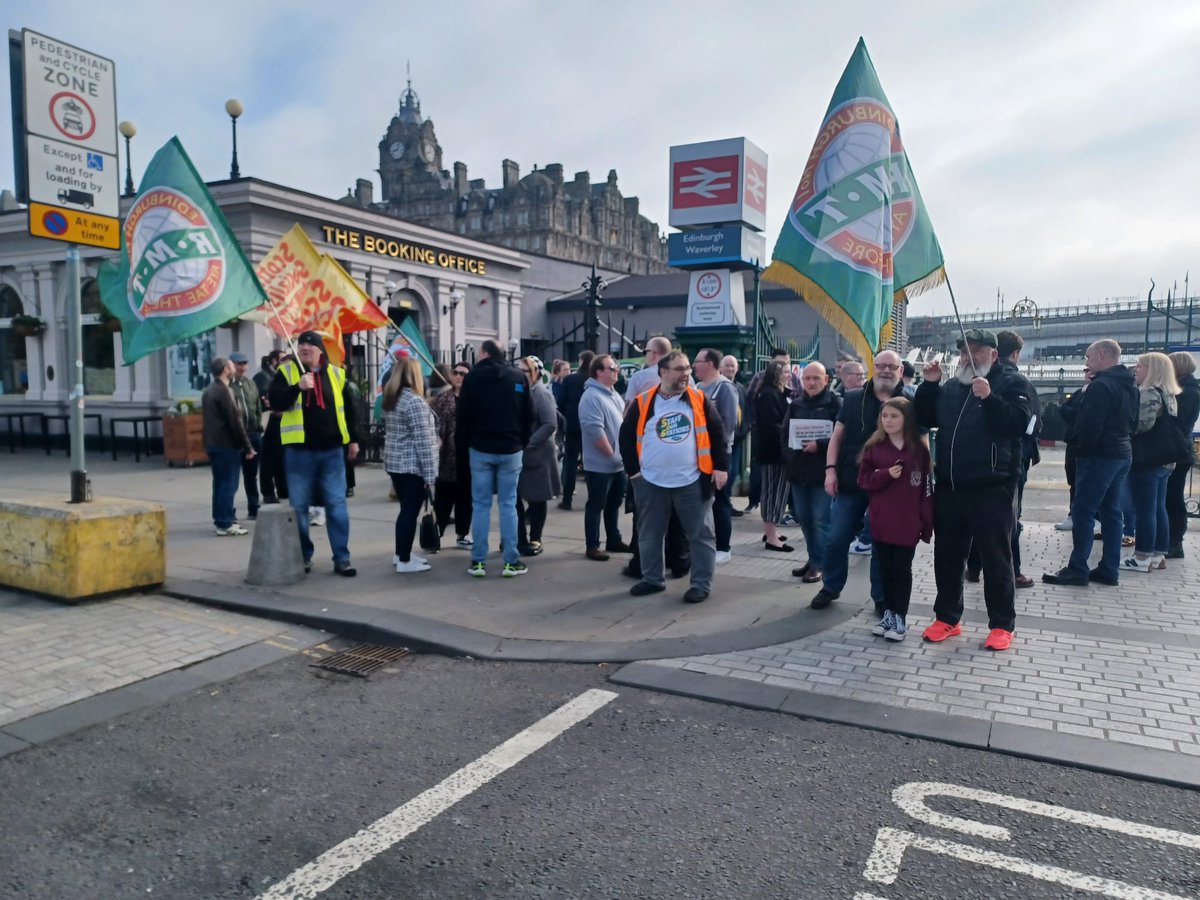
(856,422)
(493,421)
(313,431)
(1106,417)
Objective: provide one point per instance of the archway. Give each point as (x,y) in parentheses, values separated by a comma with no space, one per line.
(14,371)
(99,357)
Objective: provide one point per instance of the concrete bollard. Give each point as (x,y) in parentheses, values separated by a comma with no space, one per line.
(275,556)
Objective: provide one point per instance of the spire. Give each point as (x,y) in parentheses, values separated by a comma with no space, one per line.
(410,103)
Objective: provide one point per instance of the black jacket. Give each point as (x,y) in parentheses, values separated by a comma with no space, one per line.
(770,414)
(978,441)
(1107,416)
(808,469)
(627,440)
(1189,406)
(494,413)
(572,393)
(859,418)
(1029,443)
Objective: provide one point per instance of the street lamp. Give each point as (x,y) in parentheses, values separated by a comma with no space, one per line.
(594,286)
(128,130)
(234,108)
(456,297)
(1026,307)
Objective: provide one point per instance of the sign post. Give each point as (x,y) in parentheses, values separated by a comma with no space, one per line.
(65,137)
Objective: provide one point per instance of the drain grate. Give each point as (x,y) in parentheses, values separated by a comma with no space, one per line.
(363,659)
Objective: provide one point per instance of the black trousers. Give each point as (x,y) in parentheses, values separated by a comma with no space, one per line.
(572,448)
(983,515)
(895,571)
(531,515)
(271,476)
(1176,507)
(1069,465)
(677,551)
(973,563)
(456,496)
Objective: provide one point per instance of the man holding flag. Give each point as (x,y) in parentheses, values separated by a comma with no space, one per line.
(313,430)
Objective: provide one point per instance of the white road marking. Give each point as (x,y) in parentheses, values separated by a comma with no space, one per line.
(911,798)
(890,843)
(352,853)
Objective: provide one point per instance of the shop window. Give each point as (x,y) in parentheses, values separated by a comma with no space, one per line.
(14,374)
(99,359)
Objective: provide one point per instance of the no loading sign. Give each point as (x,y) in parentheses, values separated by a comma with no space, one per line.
(709,285)
(72,116)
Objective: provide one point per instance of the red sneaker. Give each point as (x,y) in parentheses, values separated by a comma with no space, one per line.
(998,639)
(939,631)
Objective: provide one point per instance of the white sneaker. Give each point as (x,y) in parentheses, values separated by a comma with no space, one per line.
(1133,564)
(896,630)
(789,520)
(412,556)
(234,530)
(860,549)
(1158,562)
(724,556)
(316,516)
(415,564)
(882,626)
(1065,525)
(464,542)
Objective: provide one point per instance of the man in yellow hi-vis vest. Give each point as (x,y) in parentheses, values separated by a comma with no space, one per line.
(313,431)
(674,451)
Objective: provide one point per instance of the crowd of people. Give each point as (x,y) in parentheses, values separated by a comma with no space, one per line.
(843,456)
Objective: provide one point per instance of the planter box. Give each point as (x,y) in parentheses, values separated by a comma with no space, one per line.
(183,440)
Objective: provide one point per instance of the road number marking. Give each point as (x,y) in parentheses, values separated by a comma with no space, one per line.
(883,866)
(352,853)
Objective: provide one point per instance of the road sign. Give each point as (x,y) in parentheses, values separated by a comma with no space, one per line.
(718,182)
(74,227)
(72,177)
(70,119)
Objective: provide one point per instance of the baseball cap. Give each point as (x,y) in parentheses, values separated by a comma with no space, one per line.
(311,337)
(238,357)
(979,336)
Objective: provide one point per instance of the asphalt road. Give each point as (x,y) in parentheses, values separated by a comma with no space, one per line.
(226,792)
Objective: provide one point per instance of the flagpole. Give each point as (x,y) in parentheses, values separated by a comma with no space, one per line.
(286,336)
(963,331)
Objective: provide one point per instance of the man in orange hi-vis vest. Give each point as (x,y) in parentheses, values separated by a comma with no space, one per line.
(674,451)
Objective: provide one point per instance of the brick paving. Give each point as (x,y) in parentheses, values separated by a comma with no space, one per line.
(53,654)
(1112,664)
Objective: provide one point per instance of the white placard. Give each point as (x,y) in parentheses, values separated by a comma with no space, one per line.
(801,430)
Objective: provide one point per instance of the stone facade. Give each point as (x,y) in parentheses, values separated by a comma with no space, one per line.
(540,213)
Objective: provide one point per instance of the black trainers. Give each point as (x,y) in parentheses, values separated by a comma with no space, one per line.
(643,588)
(344,568)
(822,599)
(1097,577)
(695,595)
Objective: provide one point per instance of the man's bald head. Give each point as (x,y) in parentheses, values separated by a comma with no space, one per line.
(656,349)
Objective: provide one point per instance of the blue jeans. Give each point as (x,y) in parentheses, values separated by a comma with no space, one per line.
(494,473)
(1148,487)
(606,497)
(1098,485)
(845,519)
(1128,507)
(310,470)
(226,468)
(812,512)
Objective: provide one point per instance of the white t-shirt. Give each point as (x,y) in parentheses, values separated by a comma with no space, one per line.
(669,443)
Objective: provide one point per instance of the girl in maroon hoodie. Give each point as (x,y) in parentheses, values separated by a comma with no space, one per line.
(894,468)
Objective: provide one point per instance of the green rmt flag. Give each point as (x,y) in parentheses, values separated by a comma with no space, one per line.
(181,270)
(857,238)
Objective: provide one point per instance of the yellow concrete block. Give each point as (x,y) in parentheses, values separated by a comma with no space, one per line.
(73,551)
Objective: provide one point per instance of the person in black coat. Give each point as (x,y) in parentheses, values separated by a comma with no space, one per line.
(571,394)
(1189,409)
(805,467)
(770,415)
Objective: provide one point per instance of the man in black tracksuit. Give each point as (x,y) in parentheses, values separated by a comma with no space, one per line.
(981,421)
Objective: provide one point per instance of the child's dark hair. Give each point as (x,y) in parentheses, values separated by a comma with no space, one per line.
(912,433)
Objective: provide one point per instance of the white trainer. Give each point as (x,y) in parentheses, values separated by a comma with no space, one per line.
(1065,525)
(1133,564)
(860,549)
(413,565)
(724,556)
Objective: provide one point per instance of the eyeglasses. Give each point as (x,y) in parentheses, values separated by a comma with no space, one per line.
(858,372)
(460,373)
(680,368)
(886,367)
(611,368)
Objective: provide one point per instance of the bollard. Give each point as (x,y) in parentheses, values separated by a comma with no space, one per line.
(275,556)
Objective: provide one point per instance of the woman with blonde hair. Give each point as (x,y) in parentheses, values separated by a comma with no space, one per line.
(539,481)
(1189,409)
(410,454)
(1154,453)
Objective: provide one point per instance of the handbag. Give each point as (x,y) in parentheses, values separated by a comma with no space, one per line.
(1163,444)
(429,535)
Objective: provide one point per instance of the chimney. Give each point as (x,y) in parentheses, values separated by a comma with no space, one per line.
(554,170)
(631,207)
(460,178)
(511,173)
(364,192)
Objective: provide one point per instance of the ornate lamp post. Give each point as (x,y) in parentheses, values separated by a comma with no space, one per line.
(594,286)
(234,108)
(128,130)
(1026,307)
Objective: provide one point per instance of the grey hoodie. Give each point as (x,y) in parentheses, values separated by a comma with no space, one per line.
(600,412)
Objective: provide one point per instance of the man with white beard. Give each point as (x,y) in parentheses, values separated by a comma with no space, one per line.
(981,416)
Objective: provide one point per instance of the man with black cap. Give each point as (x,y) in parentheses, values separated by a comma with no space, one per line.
(245,395)
(981,416)
(313,430)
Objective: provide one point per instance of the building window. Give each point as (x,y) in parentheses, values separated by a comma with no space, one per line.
(99,360)
(536,243)
(14,374)
(523,217)
(476,223)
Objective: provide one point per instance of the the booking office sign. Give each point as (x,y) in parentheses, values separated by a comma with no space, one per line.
(394,248)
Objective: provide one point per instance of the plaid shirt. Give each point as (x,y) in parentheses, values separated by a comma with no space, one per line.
(411,444)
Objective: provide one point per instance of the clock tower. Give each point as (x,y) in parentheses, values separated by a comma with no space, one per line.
(410,158)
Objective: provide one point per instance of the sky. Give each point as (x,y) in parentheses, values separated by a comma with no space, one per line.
(1053,143)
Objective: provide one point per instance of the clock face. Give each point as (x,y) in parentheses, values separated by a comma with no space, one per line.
(397,150)
(427,151)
